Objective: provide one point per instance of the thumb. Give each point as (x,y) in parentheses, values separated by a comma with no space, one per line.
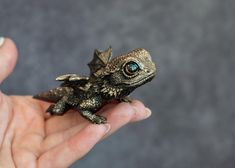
(8,57)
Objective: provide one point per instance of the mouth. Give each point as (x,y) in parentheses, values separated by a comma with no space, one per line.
(144,80)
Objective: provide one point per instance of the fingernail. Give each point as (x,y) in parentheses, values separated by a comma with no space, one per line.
(2,39)
(107,128)
(148,112)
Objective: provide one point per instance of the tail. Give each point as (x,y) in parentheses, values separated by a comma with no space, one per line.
(53,95)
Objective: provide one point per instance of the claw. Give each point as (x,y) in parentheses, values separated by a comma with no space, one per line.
(99,120)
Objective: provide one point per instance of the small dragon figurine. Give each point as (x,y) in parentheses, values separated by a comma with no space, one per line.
(109,79)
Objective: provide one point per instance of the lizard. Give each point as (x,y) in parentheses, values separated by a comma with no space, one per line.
(110,79)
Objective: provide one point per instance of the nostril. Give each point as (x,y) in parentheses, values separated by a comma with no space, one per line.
(148,71)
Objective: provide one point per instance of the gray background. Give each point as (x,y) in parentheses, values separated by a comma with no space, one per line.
(192,98)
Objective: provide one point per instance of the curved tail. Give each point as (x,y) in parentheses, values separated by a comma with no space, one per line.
(53,95)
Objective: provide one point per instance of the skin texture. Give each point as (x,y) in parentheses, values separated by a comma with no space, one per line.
(31,139)
(109,80)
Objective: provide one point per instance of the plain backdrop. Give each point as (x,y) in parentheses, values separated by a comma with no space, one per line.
(192,98)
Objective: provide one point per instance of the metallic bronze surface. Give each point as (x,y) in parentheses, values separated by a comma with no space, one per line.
(109,79)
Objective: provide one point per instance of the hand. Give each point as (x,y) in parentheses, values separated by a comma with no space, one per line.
(30,138)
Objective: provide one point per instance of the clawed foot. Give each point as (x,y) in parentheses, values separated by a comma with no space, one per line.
(55,111)
(97,119)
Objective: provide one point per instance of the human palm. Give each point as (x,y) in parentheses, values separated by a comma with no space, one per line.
(31,138)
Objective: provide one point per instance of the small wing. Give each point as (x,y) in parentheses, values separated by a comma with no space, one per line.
(73,80)
(100,59)
(71,77)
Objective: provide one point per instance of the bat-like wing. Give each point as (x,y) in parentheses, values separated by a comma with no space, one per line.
(100,59)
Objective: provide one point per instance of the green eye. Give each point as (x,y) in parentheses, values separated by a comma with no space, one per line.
(131,67)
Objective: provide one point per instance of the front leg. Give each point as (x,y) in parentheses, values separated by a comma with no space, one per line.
(96,119)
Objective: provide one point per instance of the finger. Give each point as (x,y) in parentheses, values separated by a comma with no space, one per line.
(141,111)
(74,148)
(69,120)
(119,116)
(55,139)
(125,113)
(58,135)
(114,116)
(43,106)
(8,57)
(66,121)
